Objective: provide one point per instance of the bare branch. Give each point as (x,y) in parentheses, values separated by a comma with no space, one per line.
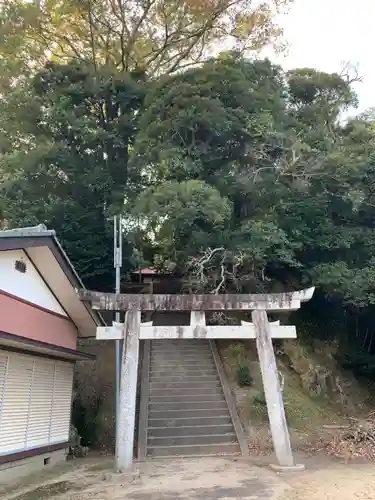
(198,265)
(216,267)
(222,280)
(92,40)
(350,73)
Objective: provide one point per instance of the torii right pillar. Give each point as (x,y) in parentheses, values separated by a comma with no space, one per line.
(273,394)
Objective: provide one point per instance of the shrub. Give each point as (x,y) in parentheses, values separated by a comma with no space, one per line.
(244,378)
(259,400)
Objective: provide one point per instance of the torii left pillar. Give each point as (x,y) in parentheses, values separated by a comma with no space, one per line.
(128,390)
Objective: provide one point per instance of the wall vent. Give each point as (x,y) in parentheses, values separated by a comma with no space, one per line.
(20,266)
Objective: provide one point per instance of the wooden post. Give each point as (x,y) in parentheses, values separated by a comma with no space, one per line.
(128,390)
(272,390)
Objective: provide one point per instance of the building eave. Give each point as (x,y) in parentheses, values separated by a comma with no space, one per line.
(20,344)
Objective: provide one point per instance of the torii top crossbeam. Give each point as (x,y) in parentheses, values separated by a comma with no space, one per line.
(290,301)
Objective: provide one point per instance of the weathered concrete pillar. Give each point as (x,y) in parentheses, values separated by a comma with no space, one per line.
(272,391)
(128,390)
(197,318)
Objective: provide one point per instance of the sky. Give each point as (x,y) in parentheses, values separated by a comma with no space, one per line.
(324,34)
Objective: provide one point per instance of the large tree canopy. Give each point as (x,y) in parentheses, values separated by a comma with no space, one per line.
(236,174)
(157,35)
(266,142)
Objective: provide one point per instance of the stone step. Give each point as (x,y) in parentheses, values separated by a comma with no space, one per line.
(176,357)
(180,352)
(181,348)
(185,383)
(170,345)
(191,430)
(192,450)
(179,342)
(182,398)
(184,377)
(185,367)
(192,440)
(205,367)
(168,414)
(198,358)
(185,362)
(164,356)
(183,421)
(186,348)
(180,372)
(155,370)
(187,411)
(212,404)
(185,391)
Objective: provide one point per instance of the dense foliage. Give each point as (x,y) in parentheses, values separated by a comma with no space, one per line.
(75,128)
(161,36)
(236,174)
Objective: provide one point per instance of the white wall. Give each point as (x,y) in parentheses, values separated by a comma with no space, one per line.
(29,285)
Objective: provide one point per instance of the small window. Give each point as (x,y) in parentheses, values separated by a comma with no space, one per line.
(20,266)
(47,461)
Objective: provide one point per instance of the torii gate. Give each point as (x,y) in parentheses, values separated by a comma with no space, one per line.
(131,331)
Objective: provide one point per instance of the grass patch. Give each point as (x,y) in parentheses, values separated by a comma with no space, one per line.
(260,400)
(305,412)
(237,361)
(237,353)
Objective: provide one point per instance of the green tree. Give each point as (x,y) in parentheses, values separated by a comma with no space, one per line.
(158,35)
(221,125)
(183,217)
(266,142)
(344,260)
(77,126)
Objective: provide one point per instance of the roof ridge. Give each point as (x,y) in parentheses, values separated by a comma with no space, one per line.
(39,230)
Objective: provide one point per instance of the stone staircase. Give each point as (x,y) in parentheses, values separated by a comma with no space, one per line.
(187,412)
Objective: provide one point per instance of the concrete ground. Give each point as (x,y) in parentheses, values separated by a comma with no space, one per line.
(340,482)
(201,479)
(206,478)
(214,478)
